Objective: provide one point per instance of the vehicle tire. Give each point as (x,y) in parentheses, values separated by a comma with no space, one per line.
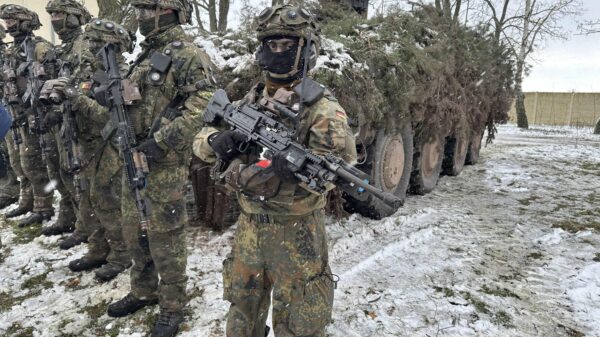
(474,148)
(389,163)
(455,153)
(427,166)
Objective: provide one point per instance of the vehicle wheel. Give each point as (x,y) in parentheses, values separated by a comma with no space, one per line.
(474,148)
(455,153)
(389,163)
(427,166)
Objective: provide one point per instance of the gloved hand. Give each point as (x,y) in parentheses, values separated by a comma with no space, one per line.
(52,118)
(54,91)
(151,149)
(226,144)
(282,169)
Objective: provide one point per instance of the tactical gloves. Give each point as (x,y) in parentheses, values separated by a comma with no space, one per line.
(282,169)
(226,144)
(151,149)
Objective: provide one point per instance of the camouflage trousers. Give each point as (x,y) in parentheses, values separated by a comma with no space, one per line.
(104,200)
(286,255)
(9,185)
(164,253)
(64,181)
(35,170)
(25,189)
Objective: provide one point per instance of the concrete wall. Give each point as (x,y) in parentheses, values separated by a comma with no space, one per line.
(552,108)
(39,6)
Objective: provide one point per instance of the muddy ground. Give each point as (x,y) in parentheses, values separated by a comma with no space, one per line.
(511,247)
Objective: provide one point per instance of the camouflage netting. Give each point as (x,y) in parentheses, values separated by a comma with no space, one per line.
(406,67)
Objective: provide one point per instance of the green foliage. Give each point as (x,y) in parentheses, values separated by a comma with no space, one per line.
(442,76)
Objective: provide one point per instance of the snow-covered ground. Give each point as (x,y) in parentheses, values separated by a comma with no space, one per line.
(508,248)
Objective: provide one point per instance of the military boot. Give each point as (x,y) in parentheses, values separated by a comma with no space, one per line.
(36,218)
(58,228)
(167,324)
(72,240)
(128,305)
(85,263)
(7,201)
(17,211)
(108,272)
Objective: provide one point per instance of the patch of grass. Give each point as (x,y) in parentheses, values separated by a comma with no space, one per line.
(26,234)
(479,305)
(571,332)
(574,227)
(501,317)
(597,257)
(586,165)
(96,311)
(36,282)
(17,330)
(535,255)
(447,291)
(6,301)
(4,253)
(528,201)
(500,292)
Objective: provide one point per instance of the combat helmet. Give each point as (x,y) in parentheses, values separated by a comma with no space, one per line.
(289,21)
(73,7)
(106,31)
(28,20)
(183,7)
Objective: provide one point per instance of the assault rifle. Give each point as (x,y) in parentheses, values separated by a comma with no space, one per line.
(262,129)
(69,137)
(36,75)
(136,165)
(12,101)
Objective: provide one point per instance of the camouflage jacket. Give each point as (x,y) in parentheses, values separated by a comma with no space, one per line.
(15,61)
(182,80)
(75,57)
(325,130)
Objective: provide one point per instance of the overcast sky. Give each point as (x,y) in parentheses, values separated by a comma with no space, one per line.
(569,65)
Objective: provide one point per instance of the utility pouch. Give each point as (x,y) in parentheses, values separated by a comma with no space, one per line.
(312,92)
(159,64)
(257,181)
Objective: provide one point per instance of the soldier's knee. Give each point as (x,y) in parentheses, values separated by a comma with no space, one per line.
(311,304)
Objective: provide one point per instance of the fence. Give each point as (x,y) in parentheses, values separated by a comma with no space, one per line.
(553,108)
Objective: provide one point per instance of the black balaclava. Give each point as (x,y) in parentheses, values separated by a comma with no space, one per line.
(66,24)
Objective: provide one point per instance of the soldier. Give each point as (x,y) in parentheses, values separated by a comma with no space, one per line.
(102,165)
(280,244)
(175,88)
(9,185)
(20,24)
(74,60)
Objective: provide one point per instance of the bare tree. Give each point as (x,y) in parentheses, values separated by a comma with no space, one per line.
(119,11)
(522,24)
(218,11)
(590,27)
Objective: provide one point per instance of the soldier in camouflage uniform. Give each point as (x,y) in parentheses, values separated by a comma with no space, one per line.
(9,185)
(175,90)
(20,24)
(102,166)
(280,243)
(74,61)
